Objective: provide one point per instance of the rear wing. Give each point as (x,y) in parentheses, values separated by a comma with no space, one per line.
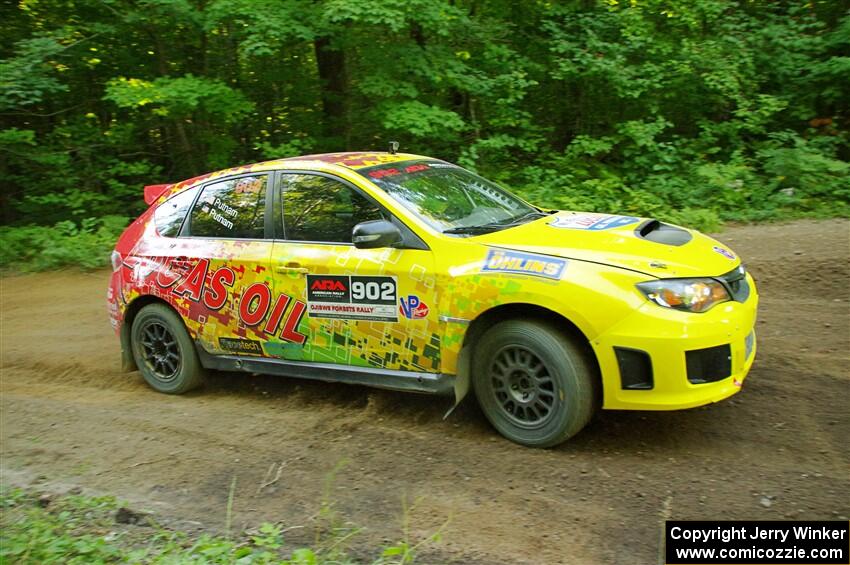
(154,191)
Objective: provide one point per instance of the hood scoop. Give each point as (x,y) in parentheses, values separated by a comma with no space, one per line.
(659,232)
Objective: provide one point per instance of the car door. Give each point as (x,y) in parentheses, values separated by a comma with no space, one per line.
(363,307)
(224,287)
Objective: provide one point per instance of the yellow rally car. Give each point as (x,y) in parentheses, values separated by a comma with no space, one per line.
(410,273)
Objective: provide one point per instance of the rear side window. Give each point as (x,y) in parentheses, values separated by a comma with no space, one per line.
(169,215)
(231,209)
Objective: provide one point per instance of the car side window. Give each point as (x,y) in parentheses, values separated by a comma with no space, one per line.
(233,208)
(322,209)
(169,215)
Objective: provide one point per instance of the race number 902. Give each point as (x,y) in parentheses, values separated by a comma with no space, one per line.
(374,290)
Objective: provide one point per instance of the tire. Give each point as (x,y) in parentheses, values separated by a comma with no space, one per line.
(535,385)
(164,352)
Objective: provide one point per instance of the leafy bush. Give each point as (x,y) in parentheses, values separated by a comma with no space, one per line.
(689,180)
(700,112)
(38,248)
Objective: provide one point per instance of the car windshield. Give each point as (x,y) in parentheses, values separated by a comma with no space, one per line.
(448,198)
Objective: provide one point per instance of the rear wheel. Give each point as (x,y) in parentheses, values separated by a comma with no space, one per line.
(533,383)
(164,351)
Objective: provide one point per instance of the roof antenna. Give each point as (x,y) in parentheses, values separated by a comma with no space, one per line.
(393,147)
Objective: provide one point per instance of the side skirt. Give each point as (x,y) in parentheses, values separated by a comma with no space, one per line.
(409,381)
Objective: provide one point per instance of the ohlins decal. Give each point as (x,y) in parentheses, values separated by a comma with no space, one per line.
(506,261)
(257,308)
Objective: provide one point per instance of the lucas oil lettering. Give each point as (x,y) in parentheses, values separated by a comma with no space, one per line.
(257,308)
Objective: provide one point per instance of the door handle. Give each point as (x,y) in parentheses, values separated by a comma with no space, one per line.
(292,267)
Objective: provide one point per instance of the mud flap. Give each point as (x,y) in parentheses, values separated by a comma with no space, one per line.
(128,364)
(462,379)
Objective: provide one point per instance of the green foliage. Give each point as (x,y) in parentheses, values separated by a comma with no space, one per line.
(29,76)
(80,529)
(181,97)
(699,112)
(420,120)
(39,248)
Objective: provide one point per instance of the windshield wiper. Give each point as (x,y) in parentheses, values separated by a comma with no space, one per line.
(519,219)
(494,226)
(483,228)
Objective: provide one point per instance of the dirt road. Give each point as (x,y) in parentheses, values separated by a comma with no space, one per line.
(779,449)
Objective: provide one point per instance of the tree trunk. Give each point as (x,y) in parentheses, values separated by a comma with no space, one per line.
(330,63)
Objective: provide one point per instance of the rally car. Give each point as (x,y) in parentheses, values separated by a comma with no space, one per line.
(411,273)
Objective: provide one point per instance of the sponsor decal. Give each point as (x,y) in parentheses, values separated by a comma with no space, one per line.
(413,307)
(327,288)
(219,211)
(592,222)
(253,305)
(141,267)
(725,252)
(381,173)
(249,185)
(352,297)
(506,261)
(241,345)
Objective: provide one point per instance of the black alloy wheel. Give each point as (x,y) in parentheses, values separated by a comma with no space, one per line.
(163,350)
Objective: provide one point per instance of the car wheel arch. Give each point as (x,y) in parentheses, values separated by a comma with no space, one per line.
(489,318)
(128,364)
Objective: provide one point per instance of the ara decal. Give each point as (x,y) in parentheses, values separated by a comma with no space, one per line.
(352,297)
(592,222)
(507,261)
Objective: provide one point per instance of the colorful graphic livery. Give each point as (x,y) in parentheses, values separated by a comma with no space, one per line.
(410,273)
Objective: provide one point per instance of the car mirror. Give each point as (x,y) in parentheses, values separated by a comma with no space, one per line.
(374,234)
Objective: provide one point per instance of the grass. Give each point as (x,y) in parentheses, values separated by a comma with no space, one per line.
(84,529)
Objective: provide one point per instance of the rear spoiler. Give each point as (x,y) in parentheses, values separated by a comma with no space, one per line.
(154,191)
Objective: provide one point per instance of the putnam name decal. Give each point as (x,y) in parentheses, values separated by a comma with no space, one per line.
(506,261)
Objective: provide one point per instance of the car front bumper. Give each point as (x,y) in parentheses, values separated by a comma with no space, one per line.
(676,347)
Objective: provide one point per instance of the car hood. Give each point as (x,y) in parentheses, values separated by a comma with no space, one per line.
(638,244)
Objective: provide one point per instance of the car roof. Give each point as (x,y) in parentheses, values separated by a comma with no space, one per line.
(356,159)
(321,161)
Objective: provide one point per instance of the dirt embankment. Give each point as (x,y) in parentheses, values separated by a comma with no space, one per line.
(778,450)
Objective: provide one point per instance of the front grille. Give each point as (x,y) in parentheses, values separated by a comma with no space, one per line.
(736,282)
(635,369)
(709,365)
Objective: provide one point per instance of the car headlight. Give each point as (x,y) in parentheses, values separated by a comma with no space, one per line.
(690,295)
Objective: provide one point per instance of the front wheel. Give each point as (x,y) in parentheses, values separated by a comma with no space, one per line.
(164,351)
(533,383)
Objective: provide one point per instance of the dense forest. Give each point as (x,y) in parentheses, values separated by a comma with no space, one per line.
(696,111)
